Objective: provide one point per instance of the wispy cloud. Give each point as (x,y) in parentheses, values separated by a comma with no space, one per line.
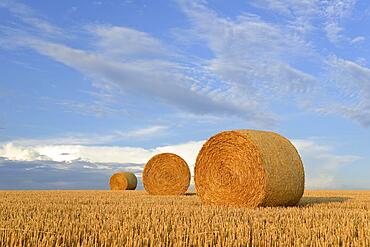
(30,17)
(312,15)
(160,80)
(150,131)
(97,108)
(351,83)
(253,66)
(250,54)
(259,58)
(92,139)
(358,40)
(145,66)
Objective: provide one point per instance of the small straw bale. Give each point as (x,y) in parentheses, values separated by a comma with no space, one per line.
(123,181)
(166,174)
(249,168)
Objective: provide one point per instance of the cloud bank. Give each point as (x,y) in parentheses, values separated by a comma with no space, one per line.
(321,162)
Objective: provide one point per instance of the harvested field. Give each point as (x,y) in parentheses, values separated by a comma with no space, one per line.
(134,218)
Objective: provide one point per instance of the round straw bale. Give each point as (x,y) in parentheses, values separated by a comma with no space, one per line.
(249,168)
(123,181)
(166,174)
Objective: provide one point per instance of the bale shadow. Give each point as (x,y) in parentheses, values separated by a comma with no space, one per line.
(312,200)
(190,194)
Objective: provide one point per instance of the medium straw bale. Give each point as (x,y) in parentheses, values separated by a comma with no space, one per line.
(166,174)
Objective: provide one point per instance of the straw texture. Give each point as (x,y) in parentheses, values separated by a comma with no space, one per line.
(123,181)
(249,168)
(166,174)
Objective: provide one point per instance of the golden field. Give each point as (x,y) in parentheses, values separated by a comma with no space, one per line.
(134,218)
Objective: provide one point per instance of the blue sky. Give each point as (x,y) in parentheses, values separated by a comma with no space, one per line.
(88,88)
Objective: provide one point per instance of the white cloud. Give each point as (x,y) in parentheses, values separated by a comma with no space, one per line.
(20,153)
(99,154)
(333,32)
(122,42)
(188,151)
(335,12)
(358,40)
(69,153)
(321,163)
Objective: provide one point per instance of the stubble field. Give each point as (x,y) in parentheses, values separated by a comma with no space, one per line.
(133,218)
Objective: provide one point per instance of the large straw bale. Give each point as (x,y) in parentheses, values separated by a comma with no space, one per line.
(166,174)
(249,168)
(123,181)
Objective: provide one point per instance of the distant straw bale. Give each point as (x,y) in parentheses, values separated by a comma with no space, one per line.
(249,168)
(123,181)
(166,174)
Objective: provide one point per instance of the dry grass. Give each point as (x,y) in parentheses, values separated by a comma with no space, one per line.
(133,218)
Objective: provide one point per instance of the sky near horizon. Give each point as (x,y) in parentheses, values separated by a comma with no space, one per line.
(88,88)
